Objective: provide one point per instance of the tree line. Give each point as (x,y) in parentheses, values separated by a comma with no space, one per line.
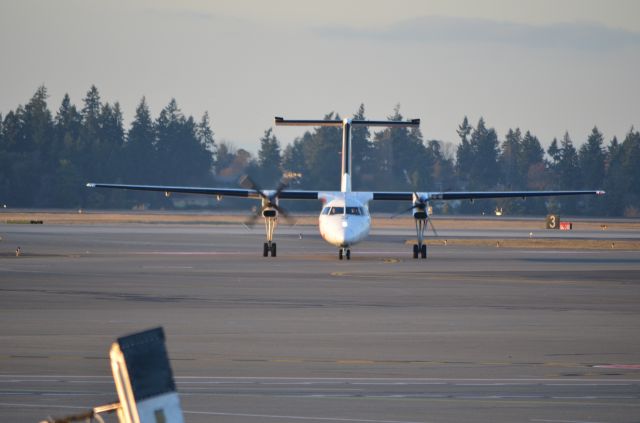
(46,158)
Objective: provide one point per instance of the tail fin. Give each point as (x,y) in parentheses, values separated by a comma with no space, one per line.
(346,125)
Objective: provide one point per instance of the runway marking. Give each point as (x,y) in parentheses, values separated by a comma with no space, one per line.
(11,404)
(562,421)
(193,253)
(618,366)
(351,361)
(271,416)
(326,380)
(391,260)
(167,267)
(216,413)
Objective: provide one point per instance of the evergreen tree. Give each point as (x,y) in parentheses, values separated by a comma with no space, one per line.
(402,157)
(615,182)
(68,123)
(532,153)
(184,159)
(34,168)
(38,123)
(269,160)
(591,158)
(535,172)
(225,155)
(4,166)
(442,176)
(630,190)
(205,134)
(69,188)
(481,168)
(464,154)
(554,152)
(140,156)
(484,172)
(293,161)
(321,151)
(568,174)
(363,165)
(140,148)
(88,148)
(568,166)
(510,156)
(91,117)
(511,170)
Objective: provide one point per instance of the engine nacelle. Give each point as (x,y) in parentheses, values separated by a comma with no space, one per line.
(420,214)
(269,213)
(419,210)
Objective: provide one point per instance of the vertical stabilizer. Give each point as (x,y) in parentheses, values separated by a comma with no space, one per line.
(346,124)
(345,177)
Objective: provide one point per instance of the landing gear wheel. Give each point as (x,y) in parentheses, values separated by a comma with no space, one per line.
(348,254)
(265,250)
(423,251)
(340,254)
(416,250)
(273,249)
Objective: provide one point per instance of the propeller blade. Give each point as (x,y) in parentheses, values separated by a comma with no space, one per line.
(248,183)
(280,188)
(280,210)
(245,181)
(270,201)
(433,228)
(251,221)
(402,212)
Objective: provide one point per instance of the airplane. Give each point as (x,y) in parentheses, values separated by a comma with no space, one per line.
(344,219)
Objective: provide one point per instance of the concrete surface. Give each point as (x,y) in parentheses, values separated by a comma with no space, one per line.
(471,334)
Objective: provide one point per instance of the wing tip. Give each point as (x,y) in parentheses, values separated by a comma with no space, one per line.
(600,192)
(91,185)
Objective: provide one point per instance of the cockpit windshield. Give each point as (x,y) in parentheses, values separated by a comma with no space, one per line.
(355,211)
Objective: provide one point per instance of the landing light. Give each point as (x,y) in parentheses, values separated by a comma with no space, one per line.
(345,224)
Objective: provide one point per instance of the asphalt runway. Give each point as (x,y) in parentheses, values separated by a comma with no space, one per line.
(471,334)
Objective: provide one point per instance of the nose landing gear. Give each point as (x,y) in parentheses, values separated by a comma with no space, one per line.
(344,252)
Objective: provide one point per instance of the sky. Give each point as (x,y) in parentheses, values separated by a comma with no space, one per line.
(547,66)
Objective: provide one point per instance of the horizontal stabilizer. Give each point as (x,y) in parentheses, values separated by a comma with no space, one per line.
(386,123)
(307,122)
(279,121)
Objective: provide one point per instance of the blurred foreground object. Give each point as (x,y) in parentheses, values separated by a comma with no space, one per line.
(144,383)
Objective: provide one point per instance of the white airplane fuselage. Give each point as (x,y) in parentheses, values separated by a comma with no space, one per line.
(344,220)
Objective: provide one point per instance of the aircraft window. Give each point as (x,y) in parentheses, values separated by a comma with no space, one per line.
(326,210)
(337,210)
(354,210)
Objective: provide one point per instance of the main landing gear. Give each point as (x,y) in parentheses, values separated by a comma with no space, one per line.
(270,223)
(420,249)
(269,247)
(344,252)
(269,212)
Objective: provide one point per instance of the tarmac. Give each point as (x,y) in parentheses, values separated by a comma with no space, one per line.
(471,334)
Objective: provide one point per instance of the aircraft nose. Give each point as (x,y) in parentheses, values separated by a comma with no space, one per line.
(348,233)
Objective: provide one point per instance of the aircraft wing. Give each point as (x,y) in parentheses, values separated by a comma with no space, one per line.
(222,192)
(473,195)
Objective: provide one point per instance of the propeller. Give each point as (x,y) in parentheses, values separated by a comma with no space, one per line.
(421,207)
(269,202)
